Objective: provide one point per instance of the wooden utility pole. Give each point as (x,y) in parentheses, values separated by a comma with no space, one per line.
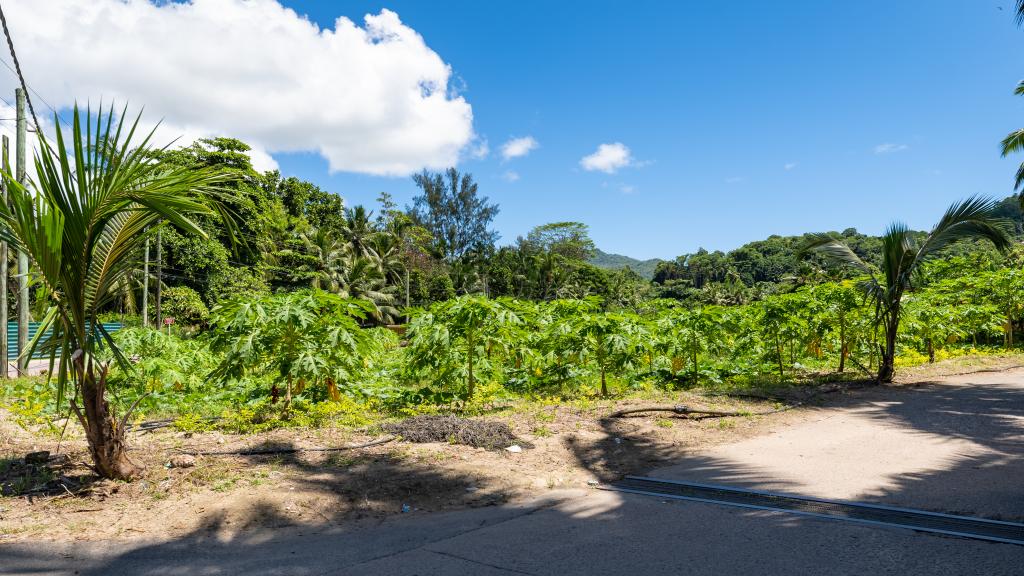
(159,279)
(19,159)
(145,287)
(5,162)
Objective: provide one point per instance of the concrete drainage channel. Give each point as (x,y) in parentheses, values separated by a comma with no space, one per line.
(967,527)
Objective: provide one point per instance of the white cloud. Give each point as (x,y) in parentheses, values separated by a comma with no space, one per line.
(889,148)
(518,147)
(734,180)
(480,150)
(8,128)
(790,165)
(627,189)
(370,98)
(510,176)
(608,158)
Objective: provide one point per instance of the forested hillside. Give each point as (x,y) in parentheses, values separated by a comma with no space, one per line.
(645,268)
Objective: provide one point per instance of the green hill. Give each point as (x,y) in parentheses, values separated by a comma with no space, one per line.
(608,261)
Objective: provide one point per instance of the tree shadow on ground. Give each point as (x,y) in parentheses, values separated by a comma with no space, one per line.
(611,533)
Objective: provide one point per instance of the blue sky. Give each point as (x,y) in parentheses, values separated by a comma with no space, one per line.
(742,119)
(747,119)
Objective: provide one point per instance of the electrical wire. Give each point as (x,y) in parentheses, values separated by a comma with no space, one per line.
(17,67)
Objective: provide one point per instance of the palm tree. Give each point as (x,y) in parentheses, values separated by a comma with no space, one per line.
(359,232)
(902,257)
(329,252)
(1014,141)
(361,277)
(83,225)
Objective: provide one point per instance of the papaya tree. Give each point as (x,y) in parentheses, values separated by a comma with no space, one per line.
(298,338)
(903,256)
(691,333)
(932,320)
(1005,290)
(839,303)
(453,338)
(609,340)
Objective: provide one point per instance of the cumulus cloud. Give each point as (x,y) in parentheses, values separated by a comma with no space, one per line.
(790,165)
(370,98)
(510,176)
(608,158)
(518,147)
(889,148)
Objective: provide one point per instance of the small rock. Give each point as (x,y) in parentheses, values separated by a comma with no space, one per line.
(40,457)
(515,449)
(182,461)
(471,488)
(592,482)
(618,440)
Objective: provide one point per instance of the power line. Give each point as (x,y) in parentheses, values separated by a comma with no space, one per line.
(17,66)
(36,92)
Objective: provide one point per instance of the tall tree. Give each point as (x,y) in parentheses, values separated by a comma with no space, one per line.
(83,223)
(454,212)
(902,257)
(567,239)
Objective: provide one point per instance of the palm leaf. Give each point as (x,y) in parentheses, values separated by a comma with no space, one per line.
(100,193)
(833,249)
(974,217)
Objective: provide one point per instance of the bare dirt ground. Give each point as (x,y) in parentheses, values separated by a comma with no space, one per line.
(573,445)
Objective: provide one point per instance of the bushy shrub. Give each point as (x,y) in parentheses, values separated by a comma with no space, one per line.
(185,306)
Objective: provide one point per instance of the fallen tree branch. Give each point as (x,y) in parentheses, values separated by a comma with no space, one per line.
(684,410)
(290,450)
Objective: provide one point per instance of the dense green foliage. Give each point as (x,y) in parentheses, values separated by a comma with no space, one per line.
(285,314)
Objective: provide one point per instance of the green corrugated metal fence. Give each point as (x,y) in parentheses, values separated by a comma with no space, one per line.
(33,327)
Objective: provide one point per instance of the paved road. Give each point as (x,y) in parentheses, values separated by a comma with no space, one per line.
(955,446)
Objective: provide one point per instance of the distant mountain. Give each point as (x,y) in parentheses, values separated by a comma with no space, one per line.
(608,261)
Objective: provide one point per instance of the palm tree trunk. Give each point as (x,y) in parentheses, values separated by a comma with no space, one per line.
(604,384)
(931,351)
(886,368)
(103,433)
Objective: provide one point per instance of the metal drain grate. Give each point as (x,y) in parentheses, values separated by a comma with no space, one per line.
(979,528)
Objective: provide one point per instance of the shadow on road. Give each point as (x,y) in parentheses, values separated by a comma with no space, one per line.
(610,533)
